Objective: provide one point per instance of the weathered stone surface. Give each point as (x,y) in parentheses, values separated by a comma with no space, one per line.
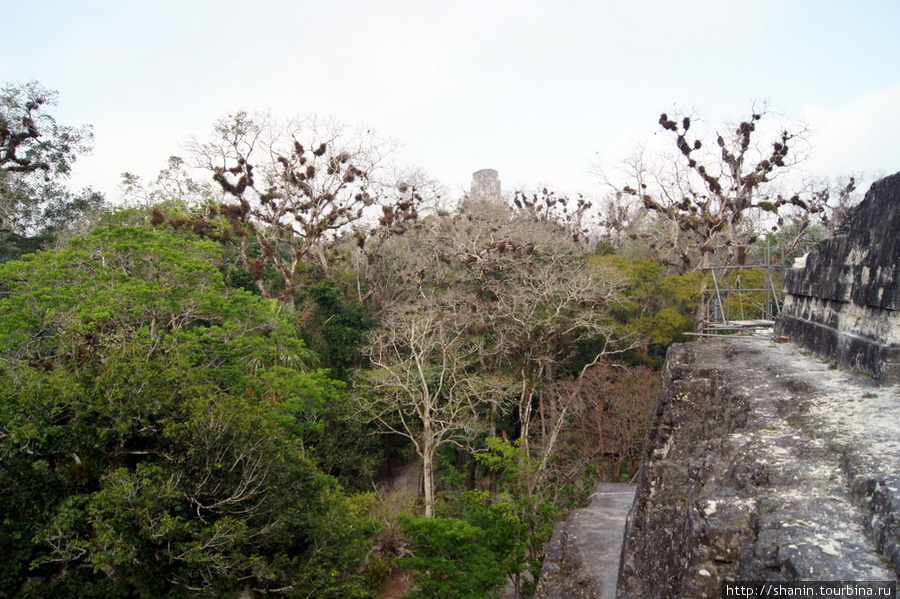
(765,464)
(582,558)
(485,185)
(844,303)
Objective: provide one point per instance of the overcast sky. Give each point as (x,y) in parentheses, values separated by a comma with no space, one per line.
(539,90)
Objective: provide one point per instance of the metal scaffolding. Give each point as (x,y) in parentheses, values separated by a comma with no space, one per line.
(728,301)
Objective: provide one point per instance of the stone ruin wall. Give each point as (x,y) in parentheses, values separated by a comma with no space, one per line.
(844,303)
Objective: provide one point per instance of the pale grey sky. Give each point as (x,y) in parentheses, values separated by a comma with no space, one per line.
(539,90)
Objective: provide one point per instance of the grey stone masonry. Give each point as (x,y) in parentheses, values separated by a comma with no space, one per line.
(844,302)
(763,463)
(485,185)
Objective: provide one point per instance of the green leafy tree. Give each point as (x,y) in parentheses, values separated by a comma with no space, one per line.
(316,410)
(155,415)
(30,139)
(656,308)
(337,326)
(450,560)
(503,532)
(519,518)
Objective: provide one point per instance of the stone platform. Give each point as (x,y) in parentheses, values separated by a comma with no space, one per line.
(763,463)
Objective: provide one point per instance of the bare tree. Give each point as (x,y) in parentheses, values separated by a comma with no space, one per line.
(570,215)
(711,192)
(538,296)
(294,187)
(413,194)
(618,217)
(525,288)
(426,383)
(175,182)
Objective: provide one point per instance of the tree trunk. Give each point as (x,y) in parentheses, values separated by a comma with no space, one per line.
(525,403)
(428,478)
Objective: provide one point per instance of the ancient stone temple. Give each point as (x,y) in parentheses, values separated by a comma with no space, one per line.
(843,303)
(485,185)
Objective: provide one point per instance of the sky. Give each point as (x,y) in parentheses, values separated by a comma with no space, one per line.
(544,91)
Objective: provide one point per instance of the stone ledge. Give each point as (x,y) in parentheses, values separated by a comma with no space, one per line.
(880,360)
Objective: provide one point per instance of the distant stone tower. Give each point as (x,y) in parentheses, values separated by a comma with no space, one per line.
(485,185)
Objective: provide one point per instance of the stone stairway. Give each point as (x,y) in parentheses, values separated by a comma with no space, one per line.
(582,559)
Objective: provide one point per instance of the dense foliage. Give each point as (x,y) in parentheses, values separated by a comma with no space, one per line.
(138,430)
(450,559)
